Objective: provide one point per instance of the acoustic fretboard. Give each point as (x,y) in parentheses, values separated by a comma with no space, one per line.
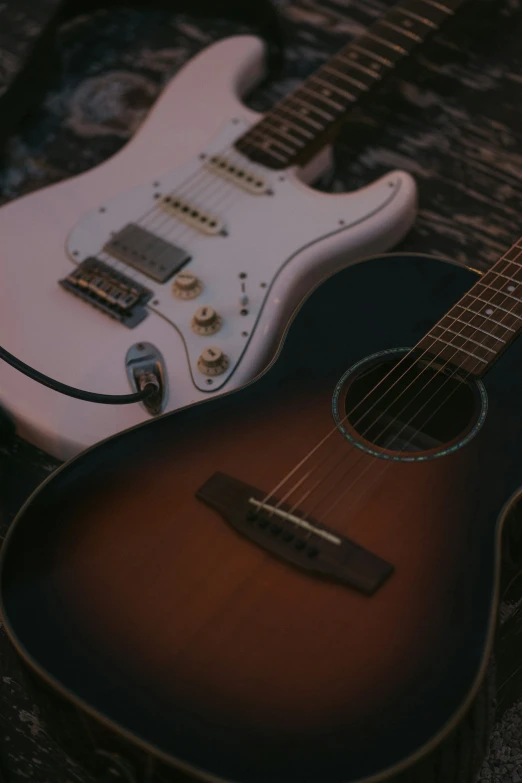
(487,319)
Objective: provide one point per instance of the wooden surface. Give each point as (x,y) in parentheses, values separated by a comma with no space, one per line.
(453,119)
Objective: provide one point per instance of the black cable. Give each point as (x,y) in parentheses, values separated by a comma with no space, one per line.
(62,388)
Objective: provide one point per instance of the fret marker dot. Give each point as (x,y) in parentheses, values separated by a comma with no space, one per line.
(407,23)
(326,92)
(489,311)
(511,287)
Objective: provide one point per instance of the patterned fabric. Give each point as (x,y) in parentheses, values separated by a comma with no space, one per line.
(452,117)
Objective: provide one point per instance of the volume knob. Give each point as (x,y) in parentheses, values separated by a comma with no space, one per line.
(206,321)
(213,361)
(186,286)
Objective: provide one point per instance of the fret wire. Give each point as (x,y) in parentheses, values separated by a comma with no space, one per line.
(371,54)
(515,263)
(439,6)
(309,106)
(305,117)
(355,64)
(486,317)
(345,76)
(509,261)
(312,115)
(473,326)
(284,147)
(423,20)
(496,307)
(452,345)
(261,148)
(271,121)
(463,336)
(322,98)
(403,31)
(502,293)
(333,88)
(279,132)
(506,277)
(395,47)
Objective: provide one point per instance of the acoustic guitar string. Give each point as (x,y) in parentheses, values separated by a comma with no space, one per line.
(380,383)
(407,424)
(444,331)
(388,463)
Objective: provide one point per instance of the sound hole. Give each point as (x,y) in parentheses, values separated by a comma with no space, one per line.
(402,407)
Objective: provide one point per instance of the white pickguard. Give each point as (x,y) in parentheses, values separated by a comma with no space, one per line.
(282,243)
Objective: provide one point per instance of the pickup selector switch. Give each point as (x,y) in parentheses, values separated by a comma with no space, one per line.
(213,361)
(186,286)
(206,321)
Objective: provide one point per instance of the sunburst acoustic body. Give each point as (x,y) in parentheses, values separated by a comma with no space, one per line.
(206,641)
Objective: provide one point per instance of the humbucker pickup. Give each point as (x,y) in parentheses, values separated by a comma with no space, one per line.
(108,290)
(150,254)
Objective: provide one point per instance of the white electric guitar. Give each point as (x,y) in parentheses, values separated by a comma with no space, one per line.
(186,252)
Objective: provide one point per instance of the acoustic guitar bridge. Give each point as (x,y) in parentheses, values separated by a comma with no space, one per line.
(303,542)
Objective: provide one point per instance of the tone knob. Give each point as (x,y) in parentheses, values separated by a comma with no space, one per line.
(206,321)
(213,361)
(186,286)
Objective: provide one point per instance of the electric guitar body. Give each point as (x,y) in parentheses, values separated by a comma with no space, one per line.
(299,580)
(185,253)
(277,241)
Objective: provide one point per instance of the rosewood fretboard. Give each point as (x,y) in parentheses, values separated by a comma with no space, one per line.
(474,333)
(296,125)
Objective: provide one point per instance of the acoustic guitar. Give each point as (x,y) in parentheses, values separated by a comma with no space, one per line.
(298,580)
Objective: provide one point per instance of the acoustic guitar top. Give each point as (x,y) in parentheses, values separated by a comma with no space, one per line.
(296,581)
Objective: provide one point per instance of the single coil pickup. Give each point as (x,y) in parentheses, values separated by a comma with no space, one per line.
(109,291)
(243,178)
(153,256)
(202,221)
